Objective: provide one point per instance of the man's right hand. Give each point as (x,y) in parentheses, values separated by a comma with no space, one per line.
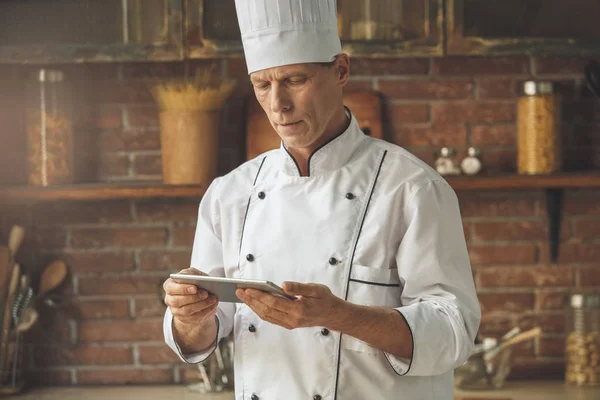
(189,305)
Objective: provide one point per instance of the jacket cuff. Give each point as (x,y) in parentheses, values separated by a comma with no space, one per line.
(189,358)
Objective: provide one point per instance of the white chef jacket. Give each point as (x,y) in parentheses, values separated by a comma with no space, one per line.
(376,225)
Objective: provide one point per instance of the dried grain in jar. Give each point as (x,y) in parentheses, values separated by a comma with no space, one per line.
(538,134)
(49,129)
(582,345)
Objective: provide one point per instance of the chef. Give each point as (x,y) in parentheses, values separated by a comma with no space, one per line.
(365,236)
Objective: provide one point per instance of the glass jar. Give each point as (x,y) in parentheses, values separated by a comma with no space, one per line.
(538,129)
(582,351)
(49,123)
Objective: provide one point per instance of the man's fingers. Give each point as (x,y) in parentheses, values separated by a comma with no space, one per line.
(183,300)
(194,308)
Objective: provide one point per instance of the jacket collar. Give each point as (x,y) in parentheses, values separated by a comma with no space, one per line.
(330,156)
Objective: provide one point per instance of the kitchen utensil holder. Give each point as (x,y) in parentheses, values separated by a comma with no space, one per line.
(11,374)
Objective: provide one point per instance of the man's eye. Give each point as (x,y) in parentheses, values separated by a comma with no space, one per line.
(297,81)
(262,86)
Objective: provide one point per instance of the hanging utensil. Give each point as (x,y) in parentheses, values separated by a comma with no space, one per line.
(52,277)
(592,77)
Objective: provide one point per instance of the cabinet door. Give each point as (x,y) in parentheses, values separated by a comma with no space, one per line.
(211,29)
(41,31)
(391,28)
(481,27)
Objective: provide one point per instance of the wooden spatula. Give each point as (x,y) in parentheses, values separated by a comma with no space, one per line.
(6,320)
(52,276)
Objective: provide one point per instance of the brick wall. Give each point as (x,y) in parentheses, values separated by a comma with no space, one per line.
(119,252)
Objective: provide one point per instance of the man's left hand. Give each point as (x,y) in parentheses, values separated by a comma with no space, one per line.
(315,305)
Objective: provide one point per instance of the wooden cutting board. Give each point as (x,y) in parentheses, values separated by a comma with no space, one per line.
(261,137)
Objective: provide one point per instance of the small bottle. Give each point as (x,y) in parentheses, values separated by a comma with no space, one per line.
(471,164)
(445,163)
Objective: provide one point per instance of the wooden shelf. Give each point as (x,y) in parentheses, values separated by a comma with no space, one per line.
(141,190)
(100,191)
(514,181)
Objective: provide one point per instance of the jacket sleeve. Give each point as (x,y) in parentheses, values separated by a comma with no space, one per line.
(439,302)
(207,256)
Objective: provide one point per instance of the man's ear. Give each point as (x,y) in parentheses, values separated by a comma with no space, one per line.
(342,67)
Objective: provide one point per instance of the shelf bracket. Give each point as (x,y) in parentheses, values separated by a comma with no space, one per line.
(554,199)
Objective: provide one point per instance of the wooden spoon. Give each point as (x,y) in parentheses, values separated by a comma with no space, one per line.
(54,274)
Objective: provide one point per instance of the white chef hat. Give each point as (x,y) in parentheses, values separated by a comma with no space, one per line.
(284,32)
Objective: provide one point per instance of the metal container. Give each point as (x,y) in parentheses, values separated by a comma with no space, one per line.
(582,351)
(538,129)
(49,122)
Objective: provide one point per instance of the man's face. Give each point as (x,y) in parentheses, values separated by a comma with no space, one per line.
(300,100)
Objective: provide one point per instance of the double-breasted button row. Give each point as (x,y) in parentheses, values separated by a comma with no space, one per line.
(252,328)
(325,332)
(250,257)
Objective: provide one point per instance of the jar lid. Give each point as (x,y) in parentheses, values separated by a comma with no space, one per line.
(447,151)
(585,300)
(50,75)
(532,88)
(473,152)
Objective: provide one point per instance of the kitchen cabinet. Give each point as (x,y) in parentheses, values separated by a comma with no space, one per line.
(39,31)
(541,27)
(368,28)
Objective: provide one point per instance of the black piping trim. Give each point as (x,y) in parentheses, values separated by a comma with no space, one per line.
(376,283)
(325,144)
(247,209)
(412,352)
(293,159)
(337,374)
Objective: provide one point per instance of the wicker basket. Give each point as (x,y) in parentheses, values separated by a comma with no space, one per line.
(538,129)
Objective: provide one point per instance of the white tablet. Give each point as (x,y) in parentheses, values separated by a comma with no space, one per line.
(224,288)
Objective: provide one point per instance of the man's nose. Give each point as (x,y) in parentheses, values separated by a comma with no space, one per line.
(280,101)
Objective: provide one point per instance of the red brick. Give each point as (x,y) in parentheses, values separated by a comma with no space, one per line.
(572,253)
(391,66)
(113,165)
(124,92)
(66,213)
(500,88)
(509,302)
(589,276)
(142,117)
(82,355)
(190,374)
(125,376)
(183,236)
(525,230)
(100,309)
(48,377)
(496,324)
(432,136)
(527,276)
(108,117)
(470,66)
(587,203)
(467,231)
(356,85)
(400,114)
(49,238)
(149,307)
(529,368)
(427,89)
(147,164)
(586,135)
(167,210)
(582,111)
(96,331)
(98,262)
(157,354)
(550,300)
(499,160)
(551,347)
(587,228)
(427,155)
(122,237)
(474,112)
(498,206)
(165,261)
(550,323)
(236,67)
(130,140)
(126,284)
(498,255)
(559,65)
(494,135)
(53,327)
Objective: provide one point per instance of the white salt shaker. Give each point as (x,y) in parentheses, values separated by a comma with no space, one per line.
(445,163)
(471,164)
